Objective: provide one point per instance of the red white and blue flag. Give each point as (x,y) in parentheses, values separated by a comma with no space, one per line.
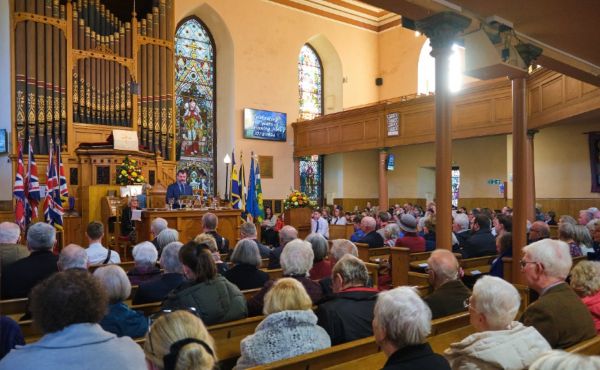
(19,191)
(64,190)
(53,210)
(33,187)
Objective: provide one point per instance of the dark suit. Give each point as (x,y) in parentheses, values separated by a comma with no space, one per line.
(173,191)
(157,290)
(126,224)
(264,251)
(462,237)
(448,299)
(419,357)
(246,276)
(20,277)
(274,258)
(222,243)
(481,243)
(373,239)
(561,317)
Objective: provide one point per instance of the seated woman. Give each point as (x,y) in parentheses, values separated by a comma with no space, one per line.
(338,217)
(585,281)
(401,324)
(429,232)
(290,328)
(557,359)
(391,232)
(566,233)
(504,248)
(145,257)
(127,224)
(120,319)
(500,342)
(583,238)
(165,237)
(215,299)
(410,240)
(321,267)
(179,341)
(245,273)
(210,241)
(268,232)
(296,261)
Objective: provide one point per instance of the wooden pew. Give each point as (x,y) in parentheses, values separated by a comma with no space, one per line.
(373,270)
(420,281)
(341,231)
(264,263)
(553,231)
(147,308)
(365,253)
(590,347)
(249,293)
(274,274)
(127,265)
(344,353)
(228,336)
(14,307)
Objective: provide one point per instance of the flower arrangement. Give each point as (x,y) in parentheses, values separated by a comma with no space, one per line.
(298,199)
(129,173)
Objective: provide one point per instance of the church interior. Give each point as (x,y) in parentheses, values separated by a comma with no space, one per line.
(335,98)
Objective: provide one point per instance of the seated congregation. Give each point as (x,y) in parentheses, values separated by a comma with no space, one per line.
(193,304)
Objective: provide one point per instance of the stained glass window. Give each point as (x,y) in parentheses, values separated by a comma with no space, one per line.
(455,185)
(426,72)
(195,103)
(310,83)
(311,180)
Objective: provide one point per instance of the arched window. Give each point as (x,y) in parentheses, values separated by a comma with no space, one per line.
(310,83)
(195,103)
(310,87)
(426,73)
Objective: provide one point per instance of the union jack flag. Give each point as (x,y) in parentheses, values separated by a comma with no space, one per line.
(53,210)
(19,191)
(32,183)
(64,191)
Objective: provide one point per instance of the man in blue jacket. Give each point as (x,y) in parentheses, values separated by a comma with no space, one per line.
(179,188)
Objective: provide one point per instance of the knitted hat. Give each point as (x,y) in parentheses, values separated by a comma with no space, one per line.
(408,223)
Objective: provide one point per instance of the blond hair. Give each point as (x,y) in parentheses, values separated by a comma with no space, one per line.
(585,277)
(176,326)
(286,294)
(208,240)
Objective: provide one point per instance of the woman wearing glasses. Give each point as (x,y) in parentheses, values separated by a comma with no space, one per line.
(499,342)
(216,299)
(178,341)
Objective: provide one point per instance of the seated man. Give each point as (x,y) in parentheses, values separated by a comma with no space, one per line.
(286,235)
(481,242)
(21,276)
(449,291)
(10,250)
(339,248)
(73,257)
(157,290)
(248,231)
(318,224)
(460,228)
(210,221)
(401,325)
(97,254)
(372,237)
(558,314)
(349,314)
(539,230)
(156,227)
(67,307)
(358,233)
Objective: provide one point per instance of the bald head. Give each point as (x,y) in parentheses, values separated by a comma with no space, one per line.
(72,257)
(444,267)
(10,233)
(341,247)
(539,230)
(287,234)
(368,224)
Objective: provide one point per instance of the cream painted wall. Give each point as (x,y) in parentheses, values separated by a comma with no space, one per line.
(398,60)
(479,159)
(562,161)
(334,177)
(361,176)
(265,42)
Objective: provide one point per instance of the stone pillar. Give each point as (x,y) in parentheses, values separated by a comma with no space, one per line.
(441,29)
(383,181)
(521,176)
(531,168)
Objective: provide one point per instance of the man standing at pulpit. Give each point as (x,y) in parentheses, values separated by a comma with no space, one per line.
(179,188)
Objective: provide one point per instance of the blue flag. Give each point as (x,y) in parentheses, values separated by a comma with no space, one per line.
(252,201)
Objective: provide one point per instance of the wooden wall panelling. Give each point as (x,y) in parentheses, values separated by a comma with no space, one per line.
(567,206)
(491,203)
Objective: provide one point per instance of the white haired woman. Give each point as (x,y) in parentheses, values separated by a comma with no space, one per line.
(290,328)
(296,261)
(245,273)
(145,256)
(401,324)
(120,319)
(321,267)
(585,281)
(500,342)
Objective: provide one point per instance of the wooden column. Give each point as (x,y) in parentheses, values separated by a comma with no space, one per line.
(531,169)
(442,29)
(521,176)
(383,181)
